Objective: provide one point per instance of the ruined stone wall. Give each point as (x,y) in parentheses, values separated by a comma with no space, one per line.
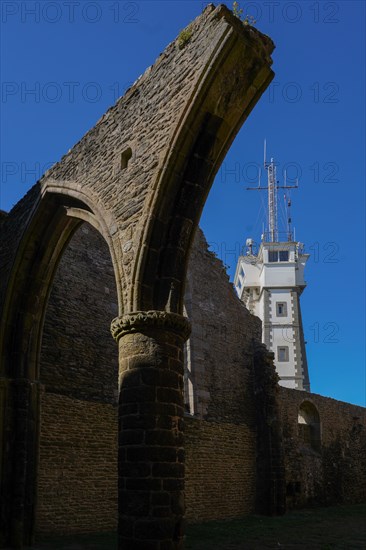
(79,358)
(221,343)
(77,483)
(221,433)
(175,125)
(77,487)
(329,471)
(220,470)
(12,227)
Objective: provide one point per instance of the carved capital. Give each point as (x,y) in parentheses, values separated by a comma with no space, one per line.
(142,320)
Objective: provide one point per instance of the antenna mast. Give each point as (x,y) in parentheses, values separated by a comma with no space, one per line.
(272,201)
(272,188)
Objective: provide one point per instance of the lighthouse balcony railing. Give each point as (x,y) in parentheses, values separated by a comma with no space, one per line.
(277,236)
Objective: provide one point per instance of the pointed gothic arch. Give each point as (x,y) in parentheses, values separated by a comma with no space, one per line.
(188,107)
(52,217)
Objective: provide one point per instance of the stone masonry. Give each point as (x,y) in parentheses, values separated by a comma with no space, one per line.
(242,441)
(77,482)
(140,177)
(329,469)
(230,469)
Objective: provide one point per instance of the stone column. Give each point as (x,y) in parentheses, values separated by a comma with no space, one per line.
(151,447)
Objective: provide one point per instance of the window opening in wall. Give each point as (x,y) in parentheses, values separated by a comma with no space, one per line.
(309,426)
(273,255)
(189,388)
(283,255)
(281,309)
(278,256)
(282,353)
(125,158)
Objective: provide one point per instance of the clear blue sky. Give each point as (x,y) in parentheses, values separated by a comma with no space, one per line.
(78,57)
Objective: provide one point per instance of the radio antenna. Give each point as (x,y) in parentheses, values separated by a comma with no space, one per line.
(272,188)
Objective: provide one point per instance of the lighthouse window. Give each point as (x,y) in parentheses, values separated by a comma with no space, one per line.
(278,255)
(281,309)
(273,255)
(282,354)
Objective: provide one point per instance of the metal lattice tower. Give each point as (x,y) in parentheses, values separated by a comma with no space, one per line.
(272,188)
(272,201)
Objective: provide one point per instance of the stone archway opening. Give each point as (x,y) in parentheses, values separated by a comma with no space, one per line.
(52,220)
(77,479)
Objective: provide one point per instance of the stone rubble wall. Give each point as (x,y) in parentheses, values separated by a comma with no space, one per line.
(220,470)
(77,483)
(77,488)
(336,472)
(221,347)
(174,125)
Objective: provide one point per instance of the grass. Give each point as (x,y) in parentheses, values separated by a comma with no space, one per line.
(341,527)
(184,37)
(334,528)
(93,541)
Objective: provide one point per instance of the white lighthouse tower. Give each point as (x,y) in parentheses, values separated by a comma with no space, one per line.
(270,281)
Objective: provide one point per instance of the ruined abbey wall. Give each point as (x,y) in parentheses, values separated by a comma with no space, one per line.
(77,487)
(221,344)
(325,464)
(77,482)
(141,177)
(221,433)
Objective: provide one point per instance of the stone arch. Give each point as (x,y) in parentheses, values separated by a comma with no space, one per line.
(199,144)
(52,217)
(309,426)
(179,119)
